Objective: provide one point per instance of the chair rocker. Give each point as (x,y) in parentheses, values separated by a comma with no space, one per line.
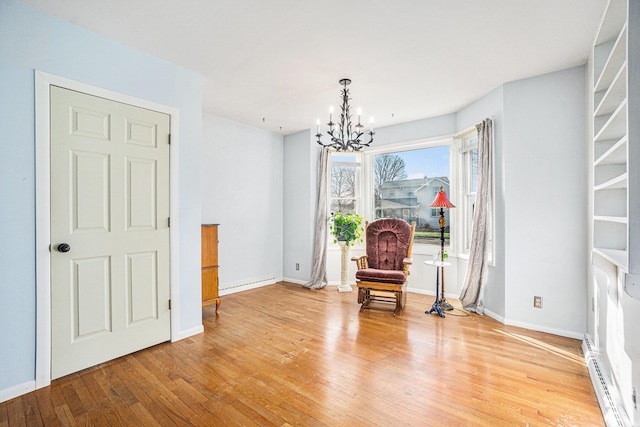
(382,272)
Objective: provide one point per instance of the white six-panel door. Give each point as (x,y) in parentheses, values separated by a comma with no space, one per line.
(110,205)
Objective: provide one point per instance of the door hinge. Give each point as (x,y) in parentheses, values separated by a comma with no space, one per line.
(169,304)
(169,222)
(169,140)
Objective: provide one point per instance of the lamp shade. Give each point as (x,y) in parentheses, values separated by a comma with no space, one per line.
(441,200)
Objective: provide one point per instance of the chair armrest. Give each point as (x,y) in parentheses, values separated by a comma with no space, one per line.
(361,261)
(406,263)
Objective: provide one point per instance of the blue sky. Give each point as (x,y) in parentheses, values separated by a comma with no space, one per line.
(426,162)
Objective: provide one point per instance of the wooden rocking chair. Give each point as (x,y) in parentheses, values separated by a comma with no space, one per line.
(382,272)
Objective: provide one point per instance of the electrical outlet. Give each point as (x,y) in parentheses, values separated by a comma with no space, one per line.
(297,266)
(537,302)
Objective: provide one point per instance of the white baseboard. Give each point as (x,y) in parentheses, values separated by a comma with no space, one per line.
(430,293)
(546,329)
(494,315)
(189,333)
(338,283)
(17,390)
(246,285)
(608,395)
(295,281)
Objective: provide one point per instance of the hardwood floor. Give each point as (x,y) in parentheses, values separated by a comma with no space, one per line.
(283,355)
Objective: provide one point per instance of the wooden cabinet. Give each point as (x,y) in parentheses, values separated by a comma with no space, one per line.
(210,265)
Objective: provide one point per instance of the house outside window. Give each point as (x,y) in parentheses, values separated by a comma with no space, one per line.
(401,181)
(405,183)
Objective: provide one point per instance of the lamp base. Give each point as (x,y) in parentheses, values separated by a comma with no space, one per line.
(445,304)
(345,288)
(436,308)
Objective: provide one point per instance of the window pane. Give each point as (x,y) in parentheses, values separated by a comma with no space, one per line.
(342,205)
(406,183)
(470,208)
(344,183)
(474,169)
(470,180)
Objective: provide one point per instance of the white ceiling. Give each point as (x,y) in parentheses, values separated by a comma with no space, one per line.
(275,64)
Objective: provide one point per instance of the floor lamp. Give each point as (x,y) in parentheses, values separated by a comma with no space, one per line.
(441,201)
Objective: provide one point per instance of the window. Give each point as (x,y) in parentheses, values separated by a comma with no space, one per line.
(469,184)
(345,182)
(405,184)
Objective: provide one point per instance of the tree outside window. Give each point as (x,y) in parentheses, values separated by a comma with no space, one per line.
(405,184)
(345,179)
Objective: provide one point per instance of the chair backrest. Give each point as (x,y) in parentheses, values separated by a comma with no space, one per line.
(389,242)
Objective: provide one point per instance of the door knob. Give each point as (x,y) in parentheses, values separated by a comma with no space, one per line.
(64,247)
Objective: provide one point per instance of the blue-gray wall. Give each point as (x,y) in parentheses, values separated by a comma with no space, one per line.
(301,155)
(540,199)
(31,40)
(491,106)
(545,189)
(242,173)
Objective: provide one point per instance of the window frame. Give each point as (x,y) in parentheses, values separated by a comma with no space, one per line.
(467,192)
(464,176)
(368,186)
(359,184)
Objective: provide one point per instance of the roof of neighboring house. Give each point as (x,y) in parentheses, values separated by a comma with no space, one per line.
(404,183)
(388,204)
(444,179)
(418,183)
(433,181)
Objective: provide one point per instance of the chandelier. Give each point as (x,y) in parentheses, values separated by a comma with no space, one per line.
(344,138)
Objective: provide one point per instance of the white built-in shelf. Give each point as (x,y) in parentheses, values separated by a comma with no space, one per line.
(614,62)
(617,219)
(615,256)
(616,126)
(614,95)
(614,19)
(615,154)
(619,181)
(611,72)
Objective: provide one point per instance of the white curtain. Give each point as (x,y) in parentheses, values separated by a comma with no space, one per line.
(319,271)
(472,294)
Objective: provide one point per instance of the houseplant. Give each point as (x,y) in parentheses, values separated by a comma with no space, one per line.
(346,227)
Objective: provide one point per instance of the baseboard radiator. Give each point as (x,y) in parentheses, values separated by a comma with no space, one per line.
(608,396)
(246,285)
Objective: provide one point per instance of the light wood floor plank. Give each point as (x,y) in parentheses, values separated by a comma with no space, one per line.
(283,355)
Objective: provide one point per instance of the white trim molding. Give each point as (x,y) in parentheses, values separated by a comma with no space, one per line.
(540,328)
(17,390)
(43,203)
(188,333)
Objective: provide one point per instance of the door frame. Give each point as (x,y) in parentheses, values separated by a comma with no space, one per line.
(43,209)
